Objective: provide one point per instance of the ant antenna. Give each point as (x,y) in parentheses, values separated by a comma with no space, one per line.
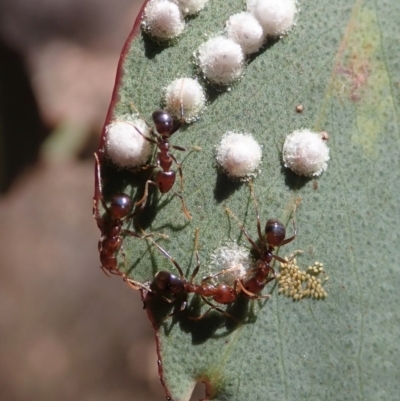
(260,236)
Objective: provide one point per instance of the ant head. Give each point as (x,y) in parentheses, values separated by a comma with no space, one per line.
(163,122)
(121,205)
(165,281)
(275,232)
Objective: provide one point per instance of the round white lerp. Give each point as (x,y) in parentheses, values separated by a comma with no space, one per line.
(238,155)
(232,258)
(124,146)
(306,153)
(245,30)
(275,16)
(221,60)
(163,20)
(190,7)
(189,94)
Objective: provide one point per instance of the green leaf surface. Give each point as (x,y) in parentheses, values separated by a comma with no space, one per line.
(341,62)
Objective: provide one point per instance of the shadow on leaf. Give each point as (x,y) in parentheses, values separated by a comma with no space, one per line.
(224,187)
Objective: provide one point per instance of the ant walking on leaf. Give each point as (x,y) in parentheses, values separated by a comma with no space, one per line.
(172,288)
(254,281)
(164,178)
(117,212)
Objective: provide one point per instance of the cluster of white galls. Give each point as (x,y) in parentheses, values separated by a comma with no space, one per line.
(221,60)
(165,19)
(238,154)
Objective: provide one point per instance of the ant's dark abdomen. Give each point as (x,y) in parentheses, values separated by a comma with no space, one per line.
(165,180)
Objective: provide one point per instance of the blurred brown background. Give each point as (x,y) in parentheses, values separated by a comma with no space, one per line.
(67,332)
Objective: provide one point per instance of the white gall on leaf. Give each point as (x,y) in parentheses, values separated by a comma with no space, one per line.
(306,153)
(275,16)
(221,60)
(163,20)
(190,7)
(187,95)
(124,146)
(238,155)
(232,258)
(245,30)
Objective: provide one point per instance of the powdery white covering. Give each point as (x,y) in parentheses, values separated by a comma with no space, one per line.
(239,155)
(124,146)
(244,29)
(190,7)
(306,153)
(190,94)
(163,19)
(221,60)
(232,257)
(275,16)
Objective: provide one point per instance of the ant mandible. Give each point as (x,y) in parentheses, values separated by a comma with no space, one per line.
(164,178)
(111,226)
(275,236)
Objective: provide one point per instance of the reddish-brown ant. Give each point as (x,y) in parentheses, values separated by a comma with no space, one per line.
(164,178)
(111,226)
(275,236)
(172,288)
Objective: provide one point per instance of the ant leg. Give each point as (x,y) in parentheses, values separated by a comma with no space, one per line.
(168,256)
(148,166)
(140,115)
(212,307)
(176,311)
(97,188)
(286,241)
(105,271)
(121,249)
(222,272)
(292,256)
(135,285)
(184,208)
(179,170)
(135,234)
(151,140)
(282,260)
(146,194)
(260,236)
(185,211)
(196,244)
(251,295)
(98,191)
(178,148)
(144,234)
(241,226)
(108,271)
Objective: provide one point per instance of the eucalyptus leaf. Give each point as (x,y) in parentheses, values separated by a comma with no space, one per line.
(341,62)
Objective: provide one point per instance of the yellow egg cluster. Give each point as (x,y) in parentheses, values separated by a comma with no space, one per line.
(298,284)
